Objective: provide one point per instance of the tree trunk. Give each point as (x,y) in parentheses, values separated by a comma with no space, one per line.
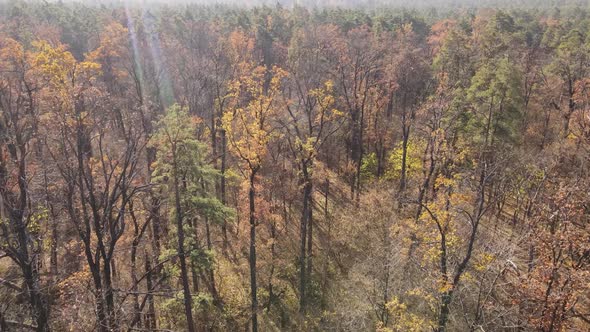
(109,296)
(36,298)
(188,311)
(403,174)
(570,109)
(355,150)
(103,323)
(328,222)
(305,217)
(444,311)
(150,317)
(309,234)
(273,235)
(222,183)
(26,260)
(252,258)
(212,287)
(135,288)
(427,178)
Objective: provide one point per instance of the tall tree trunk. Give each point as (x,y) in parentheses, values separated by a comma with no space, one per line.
(53,250)
(26,260)
(359,161)
(303,258)
(194,268)
(309,235)
(36,298)
(222,183)
(355,150)
(212,286)
(252,258)
(443,315)
(477,214)
(109,295)
(135,288)
(405,140)
(571,108)
(53,229)
(427,178)
(103,323)
(273,235)
(188,311)
(150,317)
(328,242)
(156,223)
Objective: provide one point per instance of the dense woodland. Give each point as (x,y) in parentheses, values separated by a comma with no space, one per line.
(288,168)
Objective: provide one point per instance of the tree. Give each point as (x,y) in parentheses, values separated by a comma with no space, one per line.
(496,98)
(570,66)
(308,126)
(409,75)
(181,169)
(115,205)
(309,122)
(20,218)
(97,181)
(358,64)
(249,128)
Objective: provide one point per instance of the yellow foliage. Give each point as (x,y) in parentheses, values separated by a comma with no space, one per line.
(413,159)
(55,64)
(249,122)
(402,319)
(483,261)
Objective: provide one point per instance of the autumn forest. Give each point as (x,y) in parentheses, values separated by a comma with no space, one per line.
(282,167)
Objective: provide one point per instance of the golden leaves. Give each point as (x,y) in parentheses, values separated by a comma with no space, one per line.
(326,100)
(483,261)
(254,105)
(403,318)
(54,64)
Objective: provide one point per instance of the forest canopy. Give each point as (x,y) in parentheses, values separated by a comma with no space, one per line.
(295,166)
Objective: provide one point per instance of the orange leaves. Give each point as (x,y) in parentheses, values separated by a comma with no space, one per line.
(439,32)
(556,281)
(113,41)
(11,53)
(15,64)
(239,47)
(112,51)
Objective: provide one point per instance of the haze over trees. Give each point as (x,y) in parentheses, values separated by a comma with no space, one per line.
(357,166)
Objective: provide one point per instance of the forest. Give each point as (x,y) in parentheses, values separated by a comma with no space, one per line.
(282,167)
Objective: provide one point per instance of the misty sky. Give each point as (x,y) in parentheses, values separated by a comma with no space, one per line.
(352,3)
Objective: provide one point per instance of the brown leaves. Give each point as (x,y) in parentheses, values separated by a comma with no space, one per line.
(556,284)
